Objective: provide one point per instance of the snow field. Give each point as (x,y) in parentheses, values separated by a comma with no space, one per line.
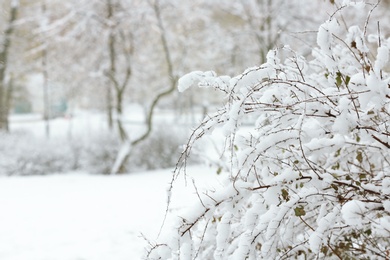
(89,217)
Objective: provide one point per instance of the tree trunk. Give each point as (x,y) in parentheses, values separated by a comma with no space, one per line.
(4,98)
(8,99)
(46,99)
(119,89)
(112,69)
(109,106)
(121,130)
(45,74)
(125,151)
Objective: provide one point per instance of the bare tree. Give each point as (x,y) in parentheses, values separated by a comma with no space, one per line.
(119,87)
(125,152)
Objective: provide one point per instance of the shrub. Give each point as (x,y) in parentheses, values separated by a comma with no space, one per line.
(311,178)
(22,154)
(160,150)
(97,154)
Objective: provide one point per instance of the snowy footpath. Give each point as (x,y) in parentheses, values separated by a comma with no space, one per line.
(87,217)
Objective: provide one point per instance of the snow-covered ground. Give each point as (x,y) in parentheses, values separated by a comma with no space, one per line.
(81,216)
(87,217)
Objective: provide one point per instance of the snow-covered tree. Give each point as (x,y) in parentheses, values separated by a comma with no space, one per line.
(99,35)
(169,50)
(310,178)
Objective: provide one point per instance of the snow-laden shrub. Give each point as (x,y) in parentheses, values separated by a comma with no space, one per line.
(22,154)
(96,154)
(160,150)
(311,178)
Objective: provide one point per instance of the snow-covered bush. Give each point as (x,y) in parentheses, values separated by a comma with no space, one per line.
(96,154)
(23,154)
(159,150)
(311,178)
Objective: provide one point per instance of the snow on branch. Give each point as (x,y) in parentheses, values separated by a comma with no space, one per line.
(202,79)
(309,179)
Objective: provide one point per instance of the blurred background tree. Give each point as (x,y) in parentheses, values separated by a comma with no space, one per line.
(110,56)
